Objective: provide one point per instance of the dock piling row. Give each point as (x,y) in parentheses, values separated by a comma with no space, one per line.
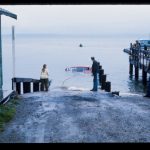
(139,58)
(105,85)
(25,85)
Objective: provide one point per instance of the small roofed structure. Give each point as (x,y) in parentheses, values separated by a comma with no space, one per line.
(14,16)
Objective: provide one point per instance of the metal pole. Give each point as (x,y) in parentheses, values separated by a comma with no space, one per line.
(1,73)
(13,49)
(13,55)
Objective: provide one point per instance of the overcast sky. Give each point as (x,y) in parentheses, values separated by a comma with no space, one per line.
(78,19)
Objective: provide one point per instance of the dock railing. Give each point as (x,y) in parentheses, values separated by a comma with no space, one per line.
(26,85)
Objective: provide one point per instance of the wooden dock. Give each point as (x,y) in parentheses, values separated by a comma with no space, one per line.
(139,58)
(25,85)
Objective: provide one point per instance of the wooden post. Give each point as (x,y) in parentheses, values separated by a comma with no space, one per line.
(108,86)
(13,84)
(101,72)
(131,69)
(148,89)
(36,86)
(131,46)
(26,87)
(18,87)
(136,72)
(100,67)
(103,81)
(144,76)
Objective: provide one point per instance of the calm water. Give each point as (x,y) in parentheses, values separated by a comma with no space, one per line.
(59,52)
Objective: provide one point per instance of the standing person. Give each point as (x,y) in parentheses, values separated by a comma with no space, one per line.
(94,73)
(44,78)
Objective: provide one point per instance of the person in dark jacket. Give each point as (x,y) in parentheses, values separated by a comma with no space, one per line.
(95,74)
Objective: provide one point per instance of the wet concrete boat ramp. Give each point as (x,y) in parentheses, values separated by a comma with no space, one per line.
(75,115)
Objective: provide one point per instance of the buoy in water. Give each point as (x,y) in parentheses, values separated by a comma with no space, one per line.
(80,45)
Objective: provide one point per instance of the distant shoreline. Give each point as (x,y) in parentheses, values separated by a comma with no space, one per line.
(135,36)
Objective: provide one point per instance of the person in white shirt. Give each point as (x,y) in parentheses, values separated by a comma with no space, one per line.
(44,78)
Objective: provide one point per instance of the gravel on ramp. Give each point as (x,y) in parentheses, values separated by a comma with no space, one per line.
(77,116)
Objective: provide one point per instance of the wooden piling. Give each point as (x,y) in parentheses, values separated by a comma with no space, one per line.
(136,72)
(139,57)
(26,87)
(101,72)
(108,86)
(131,69)
(148,89)
(144,76)
(36,87)
(18,87)
(103,81)
(100,67)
